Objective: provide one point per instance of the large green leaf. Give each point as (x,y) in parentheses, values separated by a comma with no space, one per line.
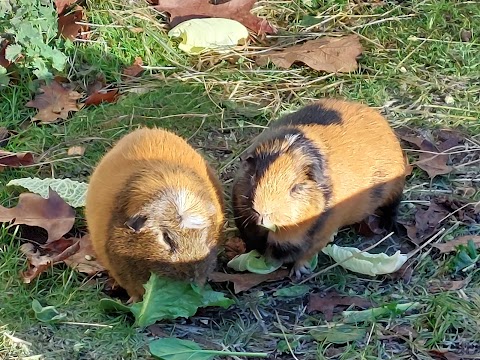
(73,192)
(177,349)
(167,299)
(254,262)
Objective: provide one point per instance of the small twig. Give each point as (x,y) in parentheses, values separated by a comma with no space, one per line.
(349,258)
(284,336)
(86,324)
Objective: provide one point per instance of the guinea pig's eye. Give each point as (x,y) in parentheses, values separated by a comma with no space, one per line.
(297,188)
(170,242)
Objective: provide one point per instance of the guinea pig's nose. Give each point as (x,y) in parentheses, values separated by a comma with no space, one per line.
(266,223)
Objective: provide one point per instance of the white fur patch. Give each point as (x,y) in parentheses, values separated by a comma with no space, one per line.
(187,206)
(291,138)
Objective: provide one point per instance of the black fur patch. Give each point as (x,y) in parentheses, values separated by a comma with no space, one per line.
(314,114)
(388,215)
(378,191)
(319,223)
(136,222)
(285,251)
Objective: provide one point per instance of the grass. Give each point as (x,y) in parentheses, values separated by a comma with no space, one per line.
(414,58)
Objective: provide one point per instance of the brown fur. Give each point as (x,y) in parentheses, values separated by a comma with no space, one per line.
(151,173)
(364,170)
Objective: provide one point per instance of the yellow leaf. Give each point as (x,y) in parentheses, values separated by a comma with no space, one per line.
(209,34)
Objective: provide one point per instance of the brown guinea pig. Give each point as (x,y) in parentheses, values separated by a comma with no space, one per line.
(325,166)
(154,205)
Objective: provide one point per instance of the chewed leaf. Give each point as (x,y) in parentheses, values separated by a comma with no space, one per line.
(161,300)
(254,262)
(365,263)
(73,192)
(206,34)
(46,314)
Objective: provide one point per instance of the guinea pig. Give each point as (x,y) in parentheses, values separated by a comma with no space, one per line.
(154,205)
(328,165)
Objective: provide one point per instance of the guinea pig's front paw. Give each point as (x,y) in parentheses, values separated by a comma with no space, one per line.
(299,269)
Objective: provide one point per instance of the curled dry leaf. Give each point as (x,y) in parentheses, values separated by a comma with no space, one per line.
(238,10)
(246,281)
(55,102)
(10,159)
(52,214)
(101,96)
(3,61)
(437,286)
(332,299)
(76,151)
(38,263)
(461,240)
(84,260)
(234,246)
(69,23)
(329,54)
(135,69)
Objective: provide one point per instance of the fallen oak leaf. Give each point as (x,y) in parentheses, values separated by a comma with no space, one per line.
(135,69)
(10,159)
(52,214)
(461,240)
(332,299)
(238,10)
(329,54)
(85,260)
(426,222)
(54,102)
(38,263)
(246,281)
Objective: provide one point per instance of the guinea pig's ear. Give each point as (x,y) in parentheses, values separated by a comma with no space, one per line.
(136,222)
(248,161)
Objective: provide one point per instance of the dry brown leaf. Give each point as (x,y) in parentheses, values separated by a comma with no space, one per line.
(238,10)
(135,69)
(4,62)
(327,303)
(101,96)
(245,281)
(68,23)
(38,263)
(5,135)
(62,5)
(461,240)
(370,226)
(426,222)
(436,286)
(52,214)
(76,151)
(85,260)
(234,246)
(448,355)
(10,159)
(329,54)
(55,102)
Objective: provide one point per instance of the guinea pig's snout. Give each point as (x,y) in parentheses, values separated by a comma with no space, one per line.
(264,220)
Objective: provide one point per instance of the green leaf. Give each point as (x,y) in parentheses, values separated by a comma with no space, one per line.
(339,334)
(200,35)
(177,349)
(254,262)
(292,291)
(46,314)
(364,262)
(161,300)
(282,346)
(73,192)
(12,52)
(375,313)
(110,305)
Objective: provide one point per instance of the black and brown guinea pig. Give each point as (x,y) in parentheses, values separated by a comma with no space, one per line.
(154,205)
(328,165)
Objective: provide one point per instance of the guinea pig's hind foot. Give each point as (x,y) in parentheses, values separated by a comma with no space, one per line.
(299,269)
